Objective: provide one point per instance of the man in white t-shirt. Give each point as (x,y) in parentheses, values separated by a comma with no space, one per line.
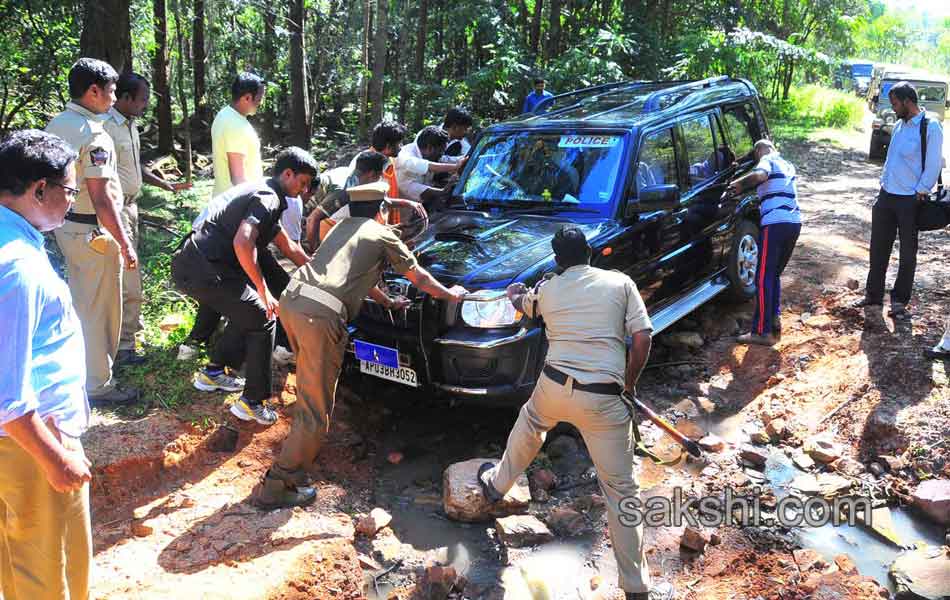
(235,146)
(419,162)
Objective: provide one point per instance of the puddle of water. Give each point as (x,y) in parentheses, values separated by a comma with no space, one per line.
(871,554)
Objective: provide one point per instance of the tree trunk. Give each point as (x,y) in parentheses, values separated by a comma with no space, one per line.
(536,29)
(362,127)
(379,59)
(419,75)
(269,60)
(200,57)
(402,52)
(163,105)
(182,96)
(106,33)
(551,50)
(299,96)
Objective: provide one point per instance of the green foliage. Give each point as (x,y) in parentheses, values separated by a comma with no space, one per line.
(813,107)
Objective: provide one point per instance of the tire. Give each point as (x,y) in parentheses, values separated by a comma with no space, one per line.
(743,260)
(876,151)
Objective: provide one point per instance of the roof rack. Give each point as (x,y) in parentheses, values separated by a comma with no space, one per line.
(652,102)
(581,94)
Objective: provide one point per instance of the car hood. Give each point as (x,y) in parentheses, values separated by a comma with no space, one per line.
(482,252)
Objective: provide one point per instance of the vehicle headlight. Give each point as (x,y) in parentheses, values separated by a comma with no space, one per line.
(489,309)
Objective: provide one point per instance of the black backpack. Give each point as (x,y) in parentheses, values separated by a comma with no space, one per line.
(934,212)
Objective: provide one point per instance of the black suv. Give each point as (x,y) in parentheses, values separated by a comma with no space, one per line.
(641,167)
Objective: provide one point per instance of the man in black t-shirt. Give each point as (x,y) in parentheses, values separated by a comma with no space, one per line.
(218,266)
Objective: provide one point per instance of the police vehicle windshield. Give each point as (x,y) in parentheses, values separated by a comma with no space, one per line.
(568,170)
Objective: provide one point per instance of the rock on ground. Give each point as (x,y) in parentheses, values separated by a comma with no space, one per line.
(684,339)
(373,522)
(463,500)
(756,456)
(567,521)
(712,443)
(823,450)
(932,497)
(923,573)
(518,531)
(694,539)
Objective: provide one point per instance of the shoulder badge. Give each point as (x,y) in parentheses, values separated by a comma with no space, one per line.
(98,156)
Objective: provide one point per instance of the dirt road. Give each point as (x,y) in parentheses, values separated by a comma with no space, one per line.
(171,510)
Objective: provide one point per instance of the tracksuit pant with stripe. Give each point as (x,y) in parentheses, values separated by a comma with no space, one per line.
(776,243)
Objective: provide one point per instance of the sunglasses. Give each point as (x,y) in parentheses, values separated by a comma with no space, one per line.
(71,192)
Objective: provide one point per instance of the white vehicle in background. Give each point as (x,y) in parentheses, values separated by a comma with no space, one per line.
(932,92)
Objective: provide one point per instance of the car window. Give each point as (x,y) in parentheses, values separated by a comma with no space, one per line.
(656,164)
(740,127)
(706,158)
(931,93)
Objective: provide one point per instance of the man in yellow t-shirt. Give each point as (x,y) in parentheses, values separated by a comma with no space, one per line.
(235,147)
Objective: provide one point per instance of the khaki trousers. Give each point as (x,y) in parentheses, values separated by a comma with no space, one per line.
(131,282)
(318,337)
(95,281)
(45,536)
(607,430)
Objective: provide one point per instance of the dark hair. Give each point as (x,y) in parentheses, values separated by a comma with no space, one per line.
(570,247)
(432,136)
(387,133)
(457,116)
(370,161)
(130,83)
(30,155)
(538,80)
(367,210)
(904,91)
(297,160)
(246,83)
(87,72)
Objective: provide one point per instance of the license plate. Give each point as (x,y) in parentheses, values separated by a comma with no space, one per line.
(403,375)
(374,353)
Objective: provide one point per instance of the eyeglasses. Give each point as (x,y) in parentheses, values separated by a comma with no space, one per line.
(70,191)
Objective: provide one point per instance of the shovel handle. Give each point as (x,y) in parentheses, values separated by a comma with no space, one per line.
(691,446)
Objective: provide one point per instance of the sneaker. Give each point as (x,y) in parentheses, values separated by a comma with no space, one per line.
(115,396)
(759,340)
(241,409)
(221,382)
(283,357)
(128,357)
(186,352)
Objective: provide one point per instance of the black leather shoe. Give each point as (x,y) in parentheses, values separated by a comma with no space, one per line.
(124,358)
(866,302)
(116,397)
(491,494)
(659,591)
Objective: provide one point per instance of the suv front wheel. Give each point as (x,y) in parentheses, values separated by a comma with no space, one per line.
(743,260)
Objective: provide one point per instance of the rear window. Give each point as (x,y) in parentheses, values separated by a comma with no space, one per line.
(862,70)
(926,92)
(576,168)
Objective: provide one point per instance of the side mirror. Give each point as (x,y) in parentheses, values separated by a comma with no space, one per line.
(948,103)
(656,197)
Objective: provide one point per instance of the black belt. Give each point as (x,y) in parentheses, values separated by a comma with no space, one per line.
(607,389)
(82,218)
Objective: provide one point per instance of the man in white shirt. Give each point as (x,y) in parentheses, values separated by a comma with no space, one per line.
(419,162)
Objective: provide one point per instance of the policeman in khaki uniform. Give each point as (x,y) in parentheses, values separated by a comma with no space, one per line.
(132,95)
(322,296)
(588,313)
(93,240)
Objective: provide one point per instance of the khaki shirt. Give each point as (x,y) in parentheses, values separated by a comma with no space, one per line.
(350,260)
(588,314)
(125,134)
(83,130)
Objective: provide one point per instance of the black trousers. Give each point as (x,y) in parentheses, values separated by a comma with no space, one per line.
(892,217)
(248,338)
(207,319)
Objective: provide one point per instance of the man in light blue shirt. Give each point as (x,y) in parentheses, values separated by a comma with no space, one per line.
(537,96)
(45,534)
(907,179)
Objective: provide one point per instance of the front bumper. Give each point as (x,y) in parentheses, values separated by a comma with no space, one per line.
(477,365)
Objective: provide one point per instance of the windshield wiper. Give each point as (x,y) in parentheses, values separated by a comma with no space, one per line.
(549,209)
(529,206)
(456,236)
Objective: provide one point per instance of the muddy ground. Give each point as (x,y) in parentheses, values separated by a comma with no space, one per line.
(171,514)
